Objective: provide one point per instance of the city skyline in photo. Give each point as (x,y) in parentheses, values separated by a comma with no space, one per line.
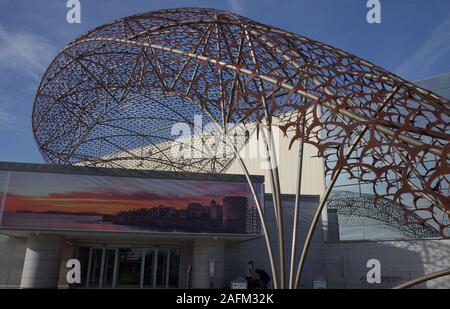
(107,195)
(104,203)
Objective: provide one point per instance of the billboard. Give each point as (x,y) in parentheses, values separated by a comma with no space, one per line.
(59,201)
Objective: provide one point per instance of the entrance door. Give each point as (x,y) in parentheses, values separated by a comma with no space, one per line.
(95,268)
(101,268)
(148,268)
(162,269)
(133,268)
(129,273)
(156,268)
(109,265)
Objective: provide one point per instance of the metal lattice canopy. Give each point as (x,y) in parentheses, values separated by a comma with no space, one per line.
(364,211)
(111,96)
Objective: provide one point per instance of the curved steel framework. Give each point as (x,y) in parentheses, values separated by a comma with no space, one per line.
(357,209)
(111,96)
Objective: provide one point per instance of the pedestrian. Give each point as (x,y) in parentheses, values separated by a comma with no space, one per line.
(264,278)
(250,274)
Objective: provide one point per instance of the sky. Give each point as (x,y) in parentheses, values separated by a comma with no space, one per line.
(412,40)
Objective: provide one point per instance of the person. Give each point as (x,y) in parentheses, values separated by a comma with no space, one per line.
(264,278)
(256,283)
(250,274)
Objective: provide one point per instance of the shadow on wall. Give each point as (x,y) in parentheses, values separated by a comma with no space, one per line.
(401,261)
(238,254)
(12,255)
(342,264)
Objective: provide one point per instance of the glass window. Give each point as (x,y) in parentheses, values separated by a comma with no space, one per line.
(129,274)
(108,268)
(96,265)
(161,269)
(83,257)
(149,268)
(174,268)
(129,267)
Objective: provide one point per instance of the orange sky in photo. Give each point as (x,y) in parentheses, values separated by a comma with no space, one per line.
(96,203)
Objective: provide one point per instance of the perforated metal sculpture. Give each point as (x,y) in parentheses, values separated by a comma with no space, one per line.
(110,97)
(366,211)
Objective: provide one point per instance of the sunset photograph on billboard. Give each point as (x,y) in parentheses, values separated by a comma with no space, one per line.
(121,204)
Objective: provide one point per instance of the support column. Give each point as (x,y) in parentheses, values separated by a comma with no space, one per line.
(333,225)
(205,250)
(42,262)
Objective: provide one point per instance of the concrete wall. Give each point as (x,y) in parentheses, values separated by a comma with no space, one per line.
(239,254)
(42,262)
(186,261)
(401,261)
(288,159)
(203,251)
(68,252)
(342,264)
(12,255)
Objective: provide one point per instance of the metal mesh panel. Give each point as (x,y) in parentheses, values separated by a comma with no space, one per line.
(110,97)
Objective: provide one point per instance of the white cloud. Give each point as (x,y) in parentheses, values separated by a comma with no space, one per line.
(25,53)
(433,49)
(7,121)
(236,7)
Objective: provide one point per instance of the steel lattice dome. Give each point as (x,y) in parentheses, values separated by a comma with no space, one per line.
(111,97)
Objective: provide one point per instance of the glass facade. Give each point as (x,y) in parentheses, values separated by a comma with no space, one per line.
(130,267)
(353,201)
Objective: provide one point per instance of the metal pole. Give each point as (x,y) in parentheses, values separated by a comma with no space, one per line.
(422,279)
(273,170)
(255,196)
(329,189)
(296,208)
(319,212)
(276,200)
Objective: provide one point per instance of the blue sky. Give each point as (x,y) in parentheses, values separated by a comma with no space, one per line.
(412,41)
